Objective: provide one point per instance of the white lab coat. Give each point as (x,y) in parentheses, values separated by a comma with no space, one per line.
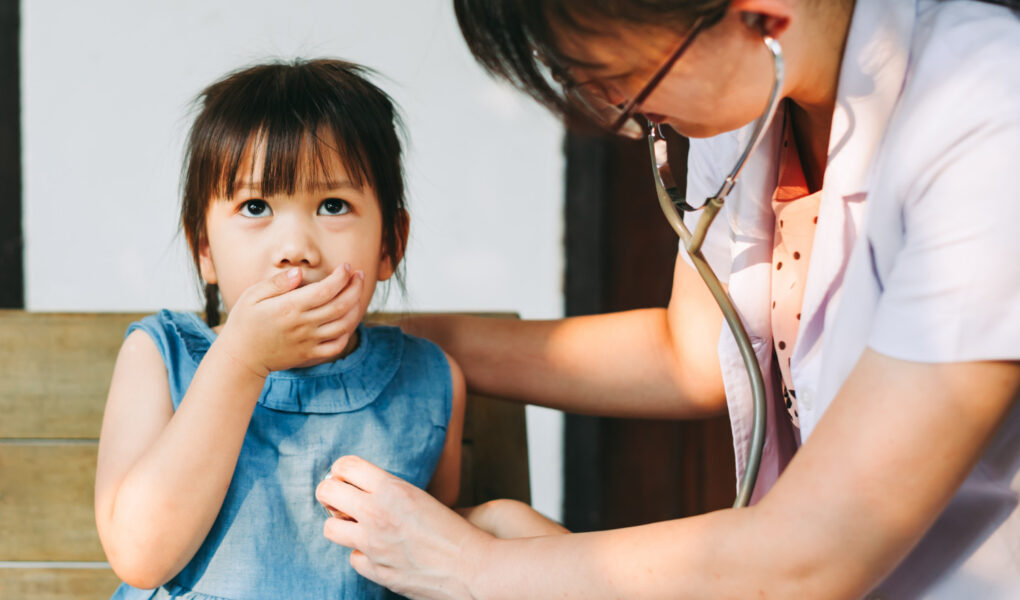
(916,255)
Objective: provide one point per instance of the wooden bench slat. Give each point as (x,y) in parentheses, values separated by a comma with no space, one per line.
(46,506)
(493,430)
(56,371)
(46,487)
(57,584)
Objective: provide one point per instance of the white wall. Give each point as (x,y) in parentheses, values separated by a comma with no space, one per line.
(106,86)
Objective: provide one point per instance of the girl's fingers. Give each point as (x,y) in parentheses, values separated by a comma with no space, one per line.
(342,305)
(320,292)
(341,325)
(278,284)
(337,331)
(329,349)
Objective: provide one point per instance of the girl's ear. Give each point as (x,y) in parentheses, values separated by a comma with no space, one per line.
(390,258)
(206,267)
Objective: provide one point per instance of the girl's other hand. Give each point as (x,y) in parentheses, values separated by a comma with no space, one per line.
(277,325)
(508,519)
(402,537)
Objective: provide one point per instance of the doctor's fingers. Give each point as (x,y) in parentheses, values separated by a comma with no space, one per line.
(369,569)
(343,532)
(346,533)
(342,497)
(362,474)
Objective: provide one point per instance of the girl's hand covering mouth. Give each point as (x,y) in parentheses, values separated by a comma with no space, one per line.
(278,323)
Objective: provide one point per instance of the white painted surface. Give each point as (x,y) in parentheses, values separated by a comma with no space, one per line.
(106,87)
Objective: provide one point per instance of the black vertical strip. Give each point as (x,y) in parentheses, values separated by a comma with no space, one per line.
(587,200)
(586,291)
(12,287)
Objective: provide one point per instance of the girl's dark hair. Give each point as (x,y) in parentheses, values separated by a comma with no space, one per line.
(515,39)
(299,112)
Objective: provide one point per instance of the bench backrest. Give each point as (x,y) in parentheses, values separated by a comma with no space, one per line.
(54,374)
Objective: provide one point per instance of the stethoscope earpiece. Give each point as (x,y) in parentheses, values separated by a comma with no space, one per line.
(754,21)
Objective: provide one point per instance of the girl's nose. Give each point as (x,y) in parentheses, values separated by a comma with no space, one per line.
(296,248)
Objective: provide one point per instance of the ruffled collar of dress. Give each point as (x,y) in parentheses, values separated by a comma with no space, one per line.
(343,385)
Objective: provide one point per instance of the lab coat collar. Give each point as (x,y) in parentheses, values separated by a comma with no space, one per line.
(871,78)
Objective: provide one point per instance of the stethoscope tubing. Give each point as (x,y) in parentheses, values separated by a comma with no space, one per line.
(692,244)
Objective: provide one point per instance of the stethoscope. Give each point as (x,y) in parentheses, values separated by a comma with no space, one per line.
(672,203)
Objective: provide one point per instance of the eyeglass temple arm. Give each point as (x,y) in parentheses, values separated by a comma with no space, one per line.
(627,110)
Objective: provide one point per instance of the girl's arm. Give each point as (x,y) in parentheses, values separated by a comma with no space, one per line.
(510,519)
(162,475)
(884,461)
(445,484)
(644,363)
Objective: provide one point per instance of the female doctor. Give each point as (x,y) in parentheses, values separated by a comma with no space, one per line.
(870,248)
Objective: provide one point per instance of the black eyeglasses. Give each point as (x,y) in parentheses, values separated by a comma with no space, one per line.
(620,119)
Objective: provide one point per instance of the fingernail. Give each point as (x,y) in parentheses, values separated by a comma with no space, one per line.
(293,273)
(360,275)
(347,268)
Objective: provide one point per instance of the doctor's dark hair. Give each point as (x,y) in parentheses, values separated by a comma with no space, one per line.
(508,37)
(299,112)
(515,40)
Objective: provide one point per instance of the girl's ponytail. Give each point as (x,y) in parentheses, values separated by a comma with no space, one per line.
(212,304)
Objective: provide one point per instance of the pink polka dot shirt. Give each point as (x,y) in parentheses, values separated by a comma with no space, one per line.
(796,213)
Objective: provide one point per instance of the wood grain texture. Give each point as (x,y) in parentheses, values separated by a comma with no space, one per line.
(55,371)
(495,452)
(54,376)
(57,584)
(46,507)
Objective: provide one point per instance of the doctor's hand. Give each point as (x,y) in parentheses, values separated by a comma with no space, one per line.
(402,538)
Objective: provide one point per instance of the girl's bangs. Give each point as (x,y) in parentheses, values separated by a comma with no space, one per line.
(275,160)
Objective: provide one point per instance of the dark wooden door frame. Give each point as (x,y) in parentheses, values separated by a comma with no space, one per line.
(620,256)
(12,287)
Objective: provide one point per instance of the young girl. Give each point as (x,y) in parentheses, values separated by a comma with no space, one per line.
(215,436)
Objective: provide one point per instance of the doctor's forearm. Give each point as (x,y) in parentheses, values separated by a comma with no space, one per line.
(726,554)
(618,364)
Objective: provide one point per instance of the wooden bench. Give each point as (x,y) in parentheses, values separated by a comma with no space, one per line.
(54,374)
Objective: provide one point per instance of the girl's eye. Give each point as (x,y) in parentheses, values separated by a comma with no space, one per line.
(333,207)
(256,208)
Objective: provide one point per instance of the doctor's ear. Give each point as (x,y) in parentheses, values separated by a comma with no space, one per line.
(764,17)
(765,24)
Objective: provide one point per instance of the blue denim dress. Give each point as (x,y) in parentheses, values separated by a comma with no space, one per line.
(389,402)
